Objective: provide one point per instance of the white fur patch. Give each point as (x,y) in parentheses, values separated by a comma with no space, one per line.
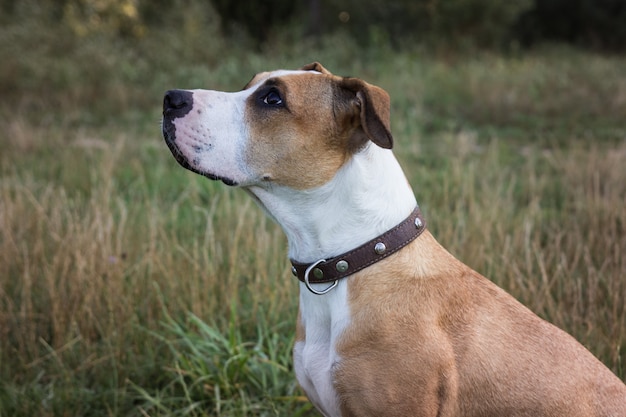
(212,136)
(324,319)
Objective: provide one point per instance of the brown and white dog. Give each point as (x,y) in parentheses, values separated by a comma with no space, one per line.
(402,328)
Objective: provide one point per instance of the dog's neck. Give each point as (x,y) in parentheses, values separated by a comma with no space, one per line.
(368,196)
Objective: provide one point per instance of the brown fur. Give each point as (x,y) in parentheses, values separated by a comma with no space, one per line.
(294,148)
(431,337)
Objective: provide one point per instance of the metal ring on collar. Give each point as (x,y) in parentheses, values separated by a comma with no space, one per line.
(308,285)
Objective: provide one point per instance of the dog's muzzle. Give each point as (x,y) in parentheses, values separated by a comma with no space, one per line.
(177,104)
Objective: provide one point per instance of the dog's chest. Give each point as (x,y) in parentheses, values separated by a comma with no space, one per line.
(324,319)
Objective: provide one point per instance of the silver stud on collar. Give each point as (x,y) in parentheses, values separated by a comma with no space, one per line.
(418,223)
(342,266)
(294,271)
(380,248)
(318,273)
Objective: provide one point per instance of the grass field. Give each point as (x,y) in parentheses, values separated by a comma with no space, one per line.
(131,287)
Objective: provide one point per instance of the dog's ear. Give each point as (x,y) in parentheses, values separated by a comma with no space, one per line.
(315,66)
(374,106)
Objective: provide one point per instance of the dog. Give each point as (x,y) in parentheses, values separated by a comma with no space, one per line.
(389,322)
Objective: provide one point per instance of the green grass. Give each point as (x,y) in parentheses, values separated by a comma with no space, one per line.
(219,372)
(129,286)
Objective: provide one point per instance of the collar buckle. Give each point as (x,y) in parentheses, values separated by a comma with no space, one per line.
(307,272)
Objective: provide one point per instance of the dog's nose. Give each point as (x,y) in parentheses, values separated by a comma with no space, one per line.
(177,103)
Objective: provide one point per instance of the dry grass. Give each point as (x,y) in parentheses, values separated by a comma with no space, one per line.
(548,225)
(81,265)
(84,276)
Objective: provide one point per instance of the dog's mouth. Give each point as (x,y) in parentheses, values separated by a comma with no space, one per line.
(169,134)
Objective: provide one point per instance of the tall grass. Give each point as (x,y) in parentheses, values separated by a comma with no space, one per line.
(86,275)
(220,372)
(129,286)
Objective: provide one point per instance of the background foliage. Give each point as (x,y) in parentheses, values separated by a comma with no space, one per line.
(597,24)
(129,286)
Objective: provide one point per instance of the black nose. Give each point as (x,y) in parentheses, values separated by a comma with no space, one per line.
(177,103)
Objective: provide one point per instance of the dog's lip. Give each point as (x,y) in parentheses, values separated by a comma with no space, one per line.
(225,180)
(184,162)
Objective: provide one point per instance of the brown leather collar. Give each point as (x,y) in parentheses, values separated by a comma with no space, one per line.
(331,270)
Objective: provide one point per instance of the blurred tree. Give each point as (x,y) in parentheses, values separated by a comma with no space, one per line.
(50,10)
(157,12)
(258,18)
(119,17)
(315,18)
(113,17)
(590,23)
(484,23)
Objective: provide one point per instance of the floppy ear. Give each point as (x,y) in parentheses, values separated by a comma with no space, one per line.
(315,66)
(374,108)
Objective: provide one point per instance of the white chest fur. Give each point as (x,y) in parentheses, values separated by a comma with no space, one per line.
(368,196)
(324,319)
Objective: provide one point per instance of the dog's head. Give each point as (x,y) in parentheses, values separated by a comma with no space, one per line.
(292,128)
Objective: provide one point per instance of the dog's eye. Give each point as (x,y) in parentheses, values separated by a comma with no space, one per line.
(273,98)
